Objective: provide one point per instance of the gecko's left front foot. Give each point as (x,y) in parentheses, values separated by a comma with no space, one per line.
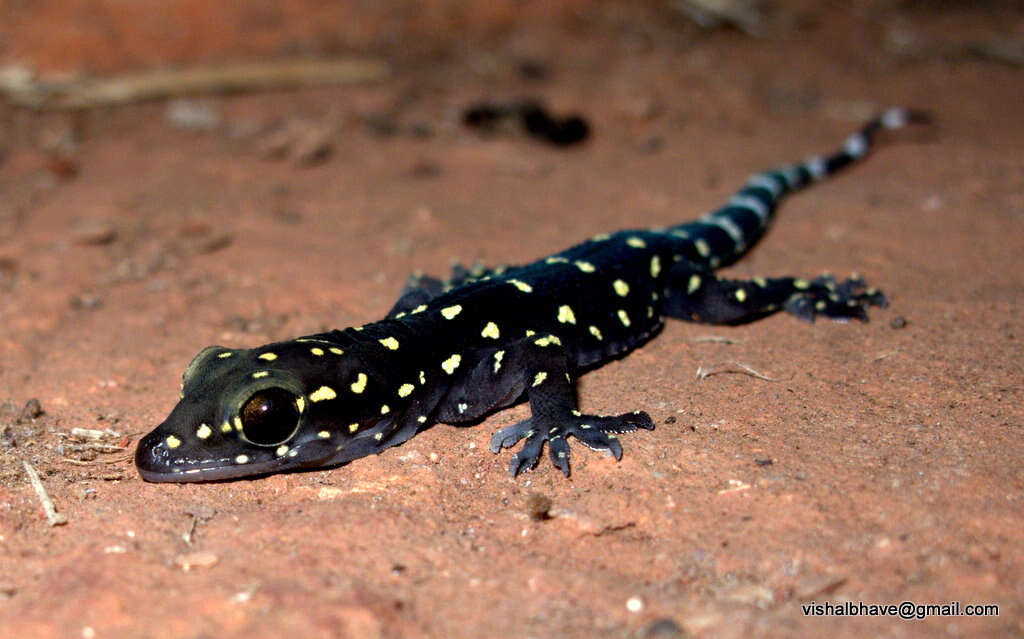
(596,431)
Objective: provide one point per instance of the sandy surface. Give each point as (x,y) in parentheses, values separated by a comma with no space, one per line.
(882,464)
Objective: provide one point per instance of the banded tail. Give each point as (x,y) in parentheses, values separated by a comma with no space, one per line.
(730,230)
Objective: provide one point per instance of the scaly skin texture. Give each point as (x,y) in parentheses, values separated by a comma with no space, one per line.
(454,351)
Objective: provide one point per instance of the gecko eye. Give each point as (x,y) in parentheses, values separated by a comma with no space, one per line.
(270,417)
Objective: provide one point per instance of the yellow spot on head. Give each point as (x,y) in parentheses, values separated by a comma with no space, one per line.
(565,314)
(378,436)
(405,390)
(596,332)
(693,284)
(268,357)
(324,434)
(702,247)
(530,333)
(317,351)
(491,330)
(281,450)
(389,343)
(259,374)
(336,350)
(497,360)
(172,442)
(226,354)
(586,267)
(635,242)
(385,409)
(449,365)
(741,295)
(203,431)
(359,385)
(556,259)
(522,286)
(600,237)
(450,312)
(423,378)
(801,284)
(321,394)
(242,459)
(422,419)
(225,427)
(760,281)
(353,427)
(419,309)
(621,288)
(237,421)
(539,378)
(655,266)
(300,404)
(623,317)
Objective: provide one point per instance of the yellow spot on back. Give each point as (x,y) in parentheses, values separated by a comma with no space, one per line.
(635,242)
(281,450)
(801,284)
(450,312)
(172,442)
(389,343)
(621,288)
(324,434)
(702,247)
(655,266)
(596,332)
(242,459)
(565,315)
(225,427)
(405,390)
(422,419)
(556,259)
(259,374)
(317,351)
(741,295)
(322,394)
(600,237)
(359,385)
(491,330)
(385,409)
(548,340)
(760,281)
(522,286)
(623,317)
(227,354)
(539,378)
(449,365)
(423,378)
(268,357)
(693,284)
(586,267)
(497,360)
(418,309)
(353,428)
(336,350)
(203,431)
(530,333)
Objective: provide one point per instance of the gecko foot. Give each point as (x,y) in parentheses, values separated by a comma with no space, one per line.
(595,431)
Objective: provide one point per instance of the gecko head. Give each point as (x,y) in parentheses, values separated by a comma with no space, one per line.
(244,413)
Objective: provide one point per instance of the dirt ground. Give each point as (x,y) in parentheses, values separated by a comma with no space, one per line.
(880,463)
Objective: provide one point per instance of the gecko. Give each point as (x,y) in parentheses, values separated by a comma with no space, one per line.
(456,351)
